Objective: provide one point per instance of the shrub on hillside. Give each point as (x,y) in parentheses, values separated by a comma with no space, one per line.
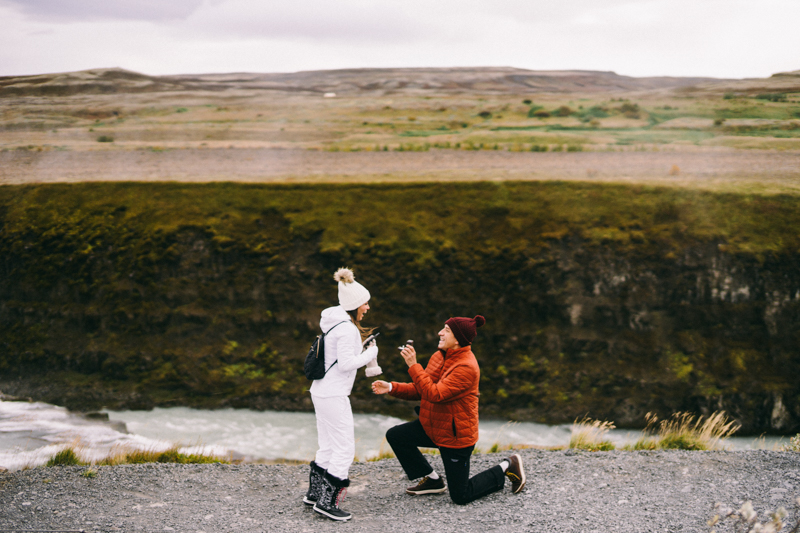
(532,111)
(629,110)
(563,111)
(772,97)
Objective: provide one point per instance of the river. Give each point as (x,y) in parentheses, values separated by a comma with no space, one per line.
(32,432)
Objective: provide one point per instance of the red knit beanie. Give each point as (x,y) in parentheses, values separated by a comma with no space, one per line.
(465,329)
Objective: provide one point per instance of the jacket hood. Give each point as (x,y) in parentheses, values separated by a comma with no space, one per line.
(332,316)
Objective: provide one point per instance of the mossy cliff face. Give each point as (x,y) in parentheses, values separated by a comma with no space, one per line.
(607,300)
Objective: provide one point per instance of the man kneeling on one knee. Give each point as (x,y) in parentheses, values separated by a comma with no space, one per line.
(448,419)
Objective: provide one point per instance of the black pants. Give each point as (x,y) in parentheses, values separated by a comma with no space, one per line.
(406,439)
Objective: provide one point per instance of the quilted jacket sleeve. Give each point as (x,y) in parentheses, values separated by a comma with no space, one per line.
(405,391)
(456,383)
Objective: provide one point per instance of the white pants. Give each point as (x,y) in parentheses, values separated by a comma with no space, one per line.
(335,434)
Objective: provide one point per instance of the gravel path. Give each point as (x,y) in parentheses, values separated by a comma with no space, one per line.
(566,492)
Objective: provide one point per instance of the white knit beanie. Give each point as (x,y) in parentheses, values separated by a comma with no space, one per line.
(352,294)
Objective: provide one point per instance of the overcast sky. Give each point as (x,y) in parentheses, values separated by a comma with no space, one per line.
(720,38)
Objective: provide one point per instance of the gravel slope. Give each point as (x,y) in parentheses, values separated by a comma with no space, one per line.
(566,492)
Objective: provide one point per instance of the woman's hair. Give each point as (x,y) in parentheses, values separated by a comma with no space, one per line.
(365,332)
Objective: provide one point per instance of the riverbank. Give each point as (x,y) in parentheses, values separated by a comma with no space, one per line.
(566,491)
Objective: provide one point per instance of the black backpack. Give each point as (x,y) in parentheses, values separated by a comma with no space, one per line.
(314,365)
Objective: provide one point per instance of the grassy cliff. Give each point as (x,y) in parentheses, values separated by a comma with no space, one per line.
(600,299)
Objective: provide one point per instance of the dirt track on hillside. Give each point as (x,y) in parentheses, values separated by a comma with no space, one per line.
(768,170)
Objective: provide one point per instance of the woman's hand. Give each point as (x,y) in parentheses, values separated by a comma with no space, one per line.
(409,355)
(380,387)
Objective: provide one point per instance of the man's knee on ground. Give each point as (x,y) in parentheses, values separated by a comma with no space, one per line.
(458,496)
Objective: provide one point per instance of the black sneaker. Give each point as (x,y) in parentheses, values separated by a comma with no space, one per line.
(427,486)
(516,473)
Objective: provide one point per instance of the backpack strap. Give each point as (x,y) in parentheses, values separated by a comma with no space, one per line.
(323,340)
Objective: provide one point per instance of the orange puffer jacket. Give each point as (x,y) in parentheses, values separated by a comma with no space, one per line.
(448,390)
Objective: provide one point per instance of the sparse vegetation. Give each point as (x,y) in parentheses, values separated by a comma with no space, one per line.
(772,97)
(793,446)
(105,139)
(590,435)
(684,431)
(66,457)
(70,457)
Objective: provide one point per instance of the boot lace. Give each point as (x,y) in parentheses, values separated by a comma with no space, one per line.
(340,496)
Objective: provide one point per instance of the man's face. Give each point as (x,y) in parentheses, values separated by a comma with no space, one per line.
(446,339)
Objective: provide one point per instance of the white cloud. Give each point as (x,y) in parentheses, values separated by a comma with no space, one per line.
(81,10)
(724,38)
(342,21)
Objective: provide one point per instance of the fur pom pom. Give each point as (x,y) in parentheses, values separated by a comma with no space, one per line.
(479,321)
(344,275)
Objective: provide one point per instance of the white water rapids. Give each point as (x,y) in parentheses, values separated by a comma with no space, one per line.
(31,433)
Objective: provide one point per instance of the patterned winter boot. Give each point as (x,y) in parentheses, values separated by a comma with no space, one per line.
(331,496)
(314,484)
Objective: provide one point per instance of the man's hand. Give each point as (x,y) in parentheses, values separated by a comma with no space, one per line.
(409,355)
(380,387)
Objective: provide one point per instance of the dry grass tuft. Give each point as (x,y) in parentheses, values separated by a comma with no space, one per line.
(172,455)
(684,431)
(588,434)
(66,457)
(123,455)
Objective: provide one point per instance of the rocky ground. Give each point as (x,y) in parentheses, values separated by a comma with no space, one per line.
(567,491)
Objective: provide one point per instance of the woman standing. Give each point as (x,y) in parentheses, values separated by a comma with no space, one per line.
(344,355)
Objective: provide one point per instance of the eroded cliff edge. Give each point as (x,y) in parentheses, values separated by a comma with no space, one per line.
(601,299)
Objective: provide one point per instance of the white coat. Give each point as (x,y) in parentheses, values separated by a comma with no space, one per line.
(342,344)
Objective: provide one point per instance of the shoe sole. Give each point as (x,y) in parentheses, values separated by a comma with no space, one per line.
(522,475)
(423,492)
(309,502)
(332,517)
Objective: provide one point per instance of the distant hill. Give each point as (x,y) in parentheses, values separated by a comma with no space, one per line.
(497,80)
(97,81)
(782,82)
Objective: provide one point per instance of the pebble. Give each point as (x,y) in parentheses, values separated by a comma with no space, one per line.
(566,491)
